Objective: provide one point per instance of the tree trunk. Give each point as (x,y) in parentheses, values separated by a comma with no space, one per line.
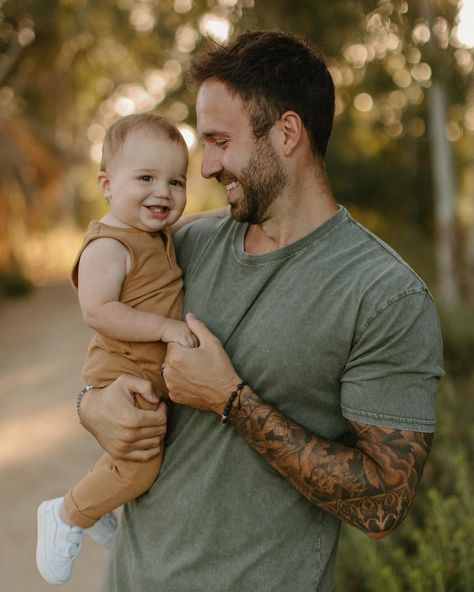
(469,255)
(445,197)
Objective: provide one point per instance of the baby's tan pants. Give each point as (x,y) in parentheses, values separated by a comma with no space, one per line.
(110,483)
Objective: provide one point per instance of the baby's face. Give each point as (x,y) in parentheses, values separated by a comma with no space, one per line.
(145,182)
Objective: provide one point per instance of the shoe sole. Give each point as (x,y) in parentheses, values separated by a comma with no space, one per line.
(41,563)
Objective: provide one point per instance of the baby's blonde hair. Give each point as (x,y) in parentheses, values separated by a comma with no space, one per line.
(118,132)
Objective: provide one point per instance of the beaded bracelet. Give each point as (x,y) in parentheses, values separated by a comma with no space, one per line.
(230,400)
(85,390)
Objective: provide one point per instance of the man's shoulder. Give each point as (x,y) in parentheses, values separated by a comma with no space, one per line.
(380,263)
(199,230)
(194,238)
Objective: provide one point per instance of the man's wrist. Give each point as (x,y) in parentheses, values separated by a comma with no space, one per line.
(247,401)
(80,396)
(232,399)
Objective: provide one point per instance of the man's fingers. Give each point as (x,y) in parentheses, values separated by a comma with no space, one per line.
(139,434)
(198,328)
(192,340)
(144,423)
(136,385)
(154,443)
(142,455)
(145,448)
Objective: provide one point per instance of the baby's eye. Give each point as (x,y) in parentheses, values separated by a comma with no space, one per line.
(177,183)
(146,178)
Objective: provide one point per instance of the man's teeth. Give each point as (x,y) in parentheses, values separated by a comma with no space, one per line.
(231,186)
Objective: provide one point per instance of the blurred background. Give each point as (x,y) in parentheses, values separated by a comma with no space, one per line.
(401,160)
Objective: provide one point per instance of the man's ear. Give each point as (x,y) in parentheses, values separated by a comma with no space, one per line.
(291,127)
(103,181)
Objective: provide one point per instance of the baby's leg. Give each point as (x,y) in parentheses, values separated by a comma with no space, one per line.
(61,521)
(110,484)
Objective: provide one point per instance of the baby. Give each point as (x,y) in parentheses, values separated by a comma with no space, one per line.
(130,293)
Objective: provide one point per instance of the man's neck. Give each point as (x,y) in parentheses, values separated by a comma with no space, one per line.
(295,213)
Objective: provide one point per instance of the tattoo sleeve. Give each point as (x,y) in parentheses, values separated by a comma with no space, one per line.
(370,485)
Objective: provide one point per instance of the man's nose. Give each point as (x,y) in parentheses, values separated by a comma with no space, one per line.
(211,163)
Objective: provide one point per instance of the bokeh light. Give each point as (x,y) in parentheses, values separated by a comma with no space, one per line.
(214,26)
(189,135)
(363,102)
(465,27)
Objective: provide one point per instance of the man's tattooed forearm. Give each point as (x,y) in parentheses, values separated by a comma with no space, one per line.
(370,485)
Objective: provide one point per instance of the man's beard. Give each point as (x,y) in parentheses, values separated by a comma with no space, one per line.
(261,181)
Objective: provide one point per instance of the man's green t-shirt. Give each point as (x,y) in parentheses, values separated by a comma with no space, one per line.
(332,326)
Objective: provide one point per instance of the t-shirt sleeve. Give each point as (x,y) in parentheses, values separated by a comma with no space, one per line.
(392,372)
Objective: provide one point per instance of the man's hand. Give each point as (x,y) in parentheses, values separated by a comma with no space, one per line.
(123,430)
(201,377)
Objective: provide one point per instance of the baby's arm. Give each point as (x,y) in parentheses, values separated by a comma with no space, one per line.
(184,220)
(102,269)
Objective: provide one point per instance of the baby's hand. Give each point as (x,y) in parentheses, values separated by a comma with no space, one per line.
(179,332)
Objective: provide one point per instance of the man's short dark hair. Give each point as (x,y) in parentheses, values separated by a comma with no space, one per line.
(273,72)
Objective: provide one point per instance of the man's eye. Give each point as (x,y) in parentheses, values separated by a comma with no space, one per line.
(146,178)
(220,143)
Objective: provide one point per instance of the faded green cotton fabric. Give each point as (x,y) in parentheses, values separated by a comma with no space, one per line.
(333,326)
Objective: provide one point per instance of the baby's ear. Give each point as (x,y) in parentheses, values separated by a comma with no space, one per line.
(103,181)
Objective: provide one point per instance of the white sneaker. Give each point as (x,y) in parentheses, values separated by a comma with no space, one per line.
(104,530)
(58,543)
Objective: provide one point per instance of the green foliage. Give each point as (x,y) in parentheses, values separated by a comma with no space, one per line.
(398,186)
(433,555)
(13,284)
(458,339)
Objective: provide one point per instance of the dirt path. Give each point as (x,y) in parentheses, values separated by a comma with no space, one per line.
(43,449)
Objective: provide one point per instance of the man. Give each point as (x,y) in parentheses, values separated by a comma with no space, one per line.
(318,346)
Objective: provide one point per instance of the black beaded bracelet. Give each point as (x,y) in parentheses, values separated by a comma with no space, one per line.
(233,395)
(85,390)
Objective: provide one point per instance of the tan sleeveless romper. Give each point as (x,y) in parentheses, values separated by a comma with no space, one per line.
(153,284)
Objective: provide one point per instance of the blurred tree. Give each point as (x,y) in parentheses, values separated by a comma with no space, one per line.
(443,173)
(469,258)
(68,68)
(386,58)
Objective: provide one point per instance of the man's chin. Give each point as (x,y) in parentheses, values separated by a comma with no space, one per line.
(244,215)
(236,213)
